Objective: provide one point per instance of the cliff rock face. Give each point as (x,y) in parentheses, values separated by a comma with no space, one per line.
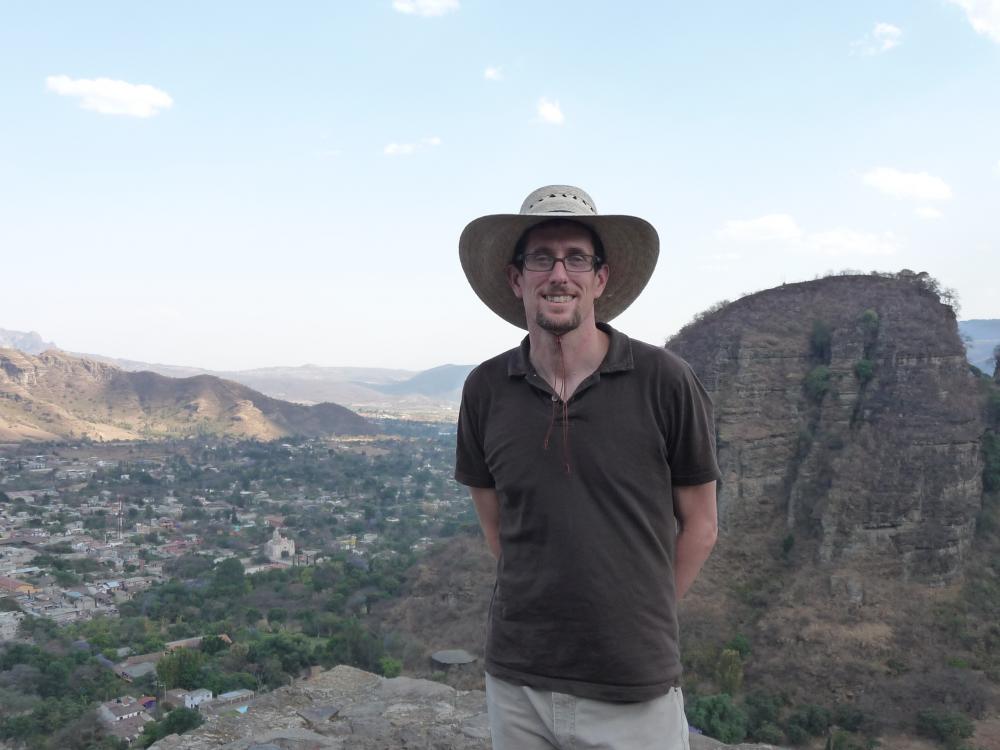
(846,415)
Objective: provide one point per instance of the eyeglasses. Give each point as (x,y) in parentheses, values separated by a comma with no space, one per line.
(575,263)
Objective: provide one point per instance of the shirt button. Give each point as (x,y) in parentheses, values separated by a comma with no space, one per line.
(555,398)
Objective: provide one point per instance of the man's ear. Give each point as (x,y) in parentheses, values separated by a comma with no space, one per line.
(514,279)
(602,279)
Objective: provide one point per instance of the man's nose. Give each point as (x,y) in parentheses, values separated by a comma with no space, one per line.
(559,269)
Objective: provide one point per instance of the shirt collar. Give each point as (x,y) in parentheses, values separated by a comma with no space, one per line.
(618,358)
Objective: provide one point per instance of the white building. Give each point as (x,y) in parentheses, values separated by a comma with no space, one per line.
(279,548)
(196,697)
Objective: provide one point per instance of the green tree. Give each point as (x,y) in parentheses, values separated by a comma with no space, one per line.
(181,668)
(787,544)
(820,342)
(741,644)
(991,461)
(718,717)
(814,720)
(213,644)
(868,322)
(228,578)
(817,383)
(948,727)
(729,671)
(864,370)
(181,720)
(390,667)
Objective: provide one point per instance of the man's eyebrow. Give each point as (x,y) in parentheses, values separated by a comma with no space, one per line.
(572,249)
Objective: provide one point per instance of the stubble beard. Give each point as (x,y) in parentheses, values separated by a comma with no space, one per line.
(558,327)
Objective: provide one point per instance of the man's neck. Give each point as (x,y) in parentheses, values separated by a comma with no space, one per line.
(572,355)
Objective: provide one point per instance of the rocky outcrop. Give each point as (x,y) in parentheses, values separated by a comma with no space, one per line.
(846,415)
(29,341)
(347,709)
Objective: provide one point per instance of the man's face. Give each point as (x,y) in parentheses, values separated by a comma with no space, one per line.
(558,301)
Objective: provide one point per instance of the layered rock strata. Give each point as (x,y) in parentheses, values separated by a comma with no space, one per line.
(846,415)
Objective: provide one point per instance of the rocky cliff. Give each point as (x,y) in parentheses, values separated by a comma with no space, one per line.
(59,396)
(347,709)
(846,416)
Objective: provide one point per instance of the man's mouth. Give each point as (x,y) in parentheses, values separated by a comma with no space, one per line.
(558,297)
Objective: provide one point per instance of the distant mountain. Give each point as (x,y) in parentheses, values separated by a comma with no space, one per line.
(308,384)
(980,337)
(58,396)
(355,387)
(29,342)
(424,392)
(446,380)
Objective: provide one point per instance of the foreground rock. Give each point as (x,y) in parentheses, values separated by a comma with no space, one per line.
(346,708)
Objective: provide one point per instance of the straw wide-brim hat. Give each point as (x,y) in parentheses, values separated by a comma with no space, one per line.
(486,248)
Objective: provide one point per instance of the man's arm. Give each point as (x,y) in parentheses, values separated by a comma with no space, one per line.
(697,521)
(488,509)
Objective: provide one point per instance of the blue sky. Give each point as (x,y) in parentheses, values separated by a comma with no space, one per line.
(235,185)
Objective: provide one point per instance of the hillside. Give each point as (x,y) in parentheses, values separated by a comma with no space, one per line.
(58,396)
(444,381)
(357,387)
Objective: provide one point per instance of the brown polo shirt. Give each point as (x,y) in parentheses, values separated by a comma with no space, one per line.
(584,600)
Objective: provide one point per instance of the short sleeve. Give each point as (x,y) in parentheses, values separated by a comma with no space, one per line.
(691,430)
(470,456)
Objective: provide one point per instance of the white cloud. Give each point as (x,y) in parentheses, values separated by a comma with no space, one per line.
(882,38)
(984,15)
(399,149)
(839,242)
(783,230)
(493,73)
(550,111)
(110,97)
(769,228)
(407,149)
(926,212)
(425,7)
(918,186)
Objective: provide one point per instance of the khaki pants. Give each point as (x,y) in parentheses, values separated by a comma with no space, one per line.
(522,718)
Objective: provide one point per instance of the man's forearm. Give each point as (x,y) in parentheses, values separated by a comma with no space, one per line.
(697,519)
(693,548)
(488,509)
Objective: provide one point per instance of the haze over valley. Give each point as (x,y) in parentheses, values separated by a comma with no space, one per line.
(861,470)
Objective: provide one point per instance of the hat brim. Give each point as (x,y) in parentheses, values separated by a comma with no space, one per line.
(631,247)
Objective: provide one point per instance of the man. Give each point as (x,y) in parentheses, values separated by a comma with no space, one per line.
(590,459)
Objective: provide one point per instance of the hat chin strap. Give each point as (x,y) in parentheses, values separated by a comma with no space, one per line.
(565,409)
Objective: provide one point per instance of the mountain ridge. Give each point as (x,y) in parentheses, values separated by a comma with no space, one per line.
(57,396)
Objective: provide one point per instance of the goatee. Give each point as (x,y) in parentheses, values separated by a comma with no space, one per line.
(558,327)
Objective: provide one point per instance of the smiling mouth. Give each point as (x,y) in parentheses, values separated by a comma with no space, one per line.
(558,297)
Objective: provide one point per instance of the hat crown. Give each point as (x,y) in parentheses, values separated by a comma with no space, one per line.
(558,200)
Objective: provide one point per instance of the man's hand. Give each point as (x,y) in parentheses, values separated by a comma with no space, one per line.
(488,509)
(698,526)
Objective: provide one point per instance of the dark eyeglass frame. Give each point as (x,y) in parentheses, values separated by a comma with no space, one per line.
(546,262)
